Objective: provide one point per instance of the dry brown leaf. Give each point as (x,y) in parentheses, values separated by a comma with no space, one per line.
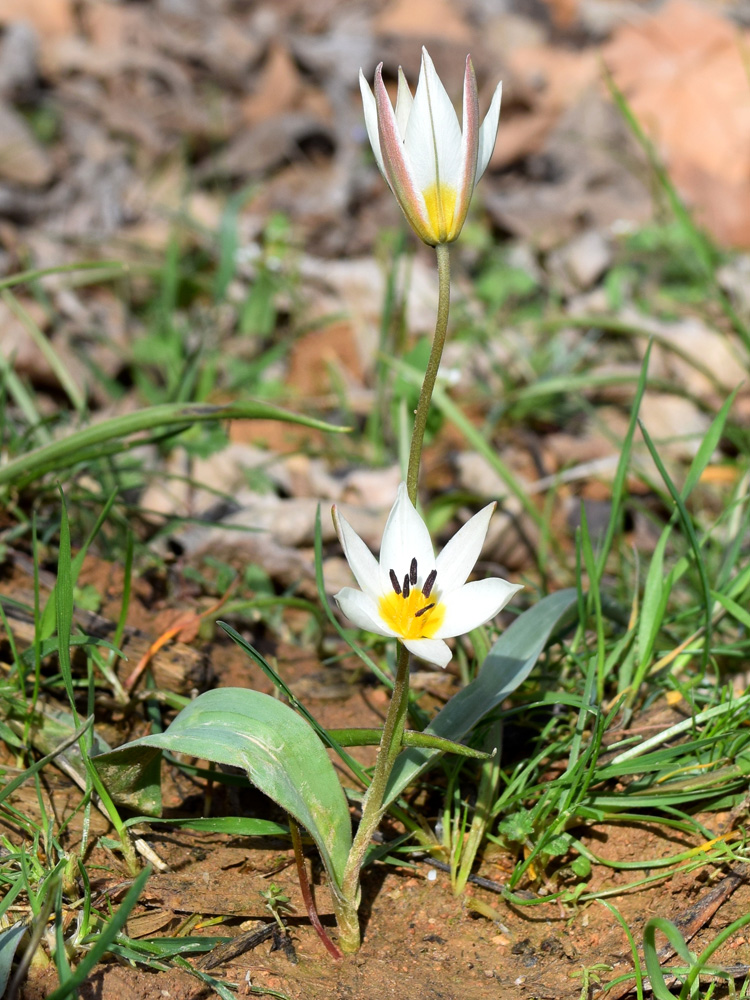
(424,19)
(563,12)
(52,19)
(684,75)
(278,90)
(321,358)
(23,160)
(17,346)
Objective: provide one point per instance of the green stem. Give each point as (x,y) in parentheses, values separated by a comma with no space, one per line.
(391,741)
(425,396)
(372,804)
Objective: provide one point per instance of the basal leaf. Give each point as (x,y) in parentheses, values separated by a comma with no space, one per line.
(9,939)
(508,664)
(279,751)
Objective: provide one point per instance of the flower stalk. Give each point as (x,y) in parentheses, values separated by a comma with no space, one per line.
(433,365)
(431,165)
(372,804)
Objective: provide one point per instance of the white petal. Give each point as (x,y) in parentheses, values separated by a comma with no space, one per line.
(431,650)
(405,538)
(404,101)
(362,562)
(488,132)
(362,611)
(397,166)
(371,120)
(469,150)
(433,131)
(474,604)
(458,557)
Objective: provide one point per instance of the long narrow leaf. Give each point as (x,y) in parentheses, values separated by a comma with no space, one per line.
(105,939)
(509,663)
(64,452)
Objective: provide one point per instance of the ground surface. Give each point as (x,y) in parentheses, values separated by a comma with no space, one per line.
(174,136)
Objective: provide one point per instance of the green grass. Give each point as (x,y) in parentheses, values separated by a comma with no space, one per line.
(658,623)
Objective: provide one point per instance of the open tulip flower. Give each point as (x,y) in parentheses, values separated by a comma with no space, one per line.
(412,596)
(429,163)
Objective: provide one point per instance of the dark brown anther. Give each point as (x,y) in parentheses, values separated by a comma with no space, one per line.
(413,572)
(422,610)
(394,582)
(429,583)
(406,586)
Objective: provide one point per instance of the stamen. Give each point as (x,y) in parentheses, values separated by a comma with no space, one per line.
(406,586)
(413,572)
(421,611)
(429,583)
(394,581)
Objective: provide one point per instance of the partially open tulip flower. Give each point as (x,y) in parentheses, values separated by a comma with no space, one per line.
(430,164)
(411,595)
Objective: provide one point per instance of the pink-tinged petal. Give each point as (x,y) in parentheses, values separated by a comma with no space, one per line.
(469,150)
(488,132)
(362,562)
(404,101)
(458,557)
(405,538)
(362,611)
(473,605)
(396,166)
(371,119)
(433,135)
(431,650)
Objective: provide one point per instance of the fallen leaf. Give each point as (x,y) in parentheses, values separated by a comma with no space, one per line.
(423,19)
(23,159)
(279,88)
(52,19)
(322,359)
(684,74)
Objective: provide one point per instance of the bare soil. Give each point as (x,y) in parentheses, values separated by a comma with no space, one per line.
(419,939)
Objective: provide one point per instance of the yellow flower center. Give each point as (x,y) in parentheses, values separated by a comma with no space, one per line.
(414,616)
(440,201)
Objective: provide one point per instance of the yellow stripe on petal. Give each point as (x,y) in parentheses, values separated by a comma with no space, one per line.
(440,201)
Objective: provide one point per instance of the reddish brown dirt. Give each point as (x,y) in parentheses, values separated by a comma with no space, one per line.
(419,940)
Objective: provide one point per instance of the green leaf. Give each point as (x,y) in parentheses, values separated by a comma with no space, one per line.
(410,738)
(708,446)
(557,845)
(651,954)
(50,646)
(280,752)
(655,596)
(71,737)
(517,827)
(734,609)
(237,826)
(132,776)
(9,939)
(581,867)
(67,451)
(509,663)
(111,929)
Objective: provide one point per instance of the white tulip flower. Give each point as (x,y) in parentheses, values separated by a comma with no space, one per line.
(430,163)
(412,596)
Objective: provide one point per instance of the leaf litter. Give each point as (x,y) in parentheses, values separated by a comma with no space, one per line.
(128,129)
